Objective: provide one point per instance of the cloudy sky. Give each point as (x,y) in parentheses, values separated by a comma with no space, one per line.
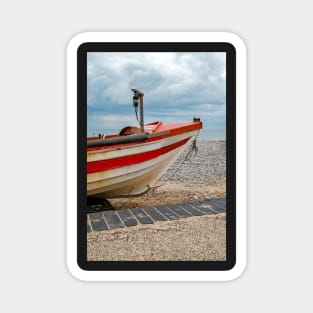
(177,87)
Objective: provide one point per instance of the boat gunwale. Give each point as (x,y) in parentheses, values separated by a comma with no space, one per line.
(151,137)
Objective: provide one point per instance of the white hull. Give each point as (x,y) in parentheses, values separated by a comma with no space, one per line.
(137,178)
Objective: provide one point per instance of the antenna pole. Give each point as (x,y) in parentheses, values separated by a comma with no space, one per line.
(141,114)
(139,94)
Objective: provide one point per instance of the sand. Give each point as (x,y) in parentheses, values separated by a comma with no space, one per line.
(201,238)
(170,193)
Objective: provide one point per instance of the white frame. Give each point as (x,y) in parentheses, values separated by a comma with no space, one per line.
(73,267)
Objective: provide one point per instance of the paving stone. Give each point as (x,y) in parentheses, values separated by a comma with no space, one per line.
(193,210)
(113,220)
(155,214)
(166,211)
(89,230)
(116,219)
(142,216)
(179,210)
(205,207)
(97,222)
(127,218)
(217,208)
(220,202)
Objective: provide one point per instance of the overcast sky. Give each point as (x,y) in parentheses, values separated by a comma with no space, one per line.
(177,87)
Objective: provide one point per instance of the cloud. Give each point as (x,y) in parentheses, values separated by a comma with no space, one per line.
(177,86)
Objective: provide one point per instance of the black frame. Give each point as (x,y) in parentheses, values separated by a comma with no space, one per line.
(230,156)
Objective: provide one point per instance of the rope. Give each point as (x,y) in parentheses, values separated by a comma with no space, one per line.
(136,111)
(192,148)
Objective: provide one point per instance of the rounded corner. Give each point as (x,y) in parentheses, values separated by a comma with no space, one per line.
(237,41)
(76,271)
(236,270)
(77,41)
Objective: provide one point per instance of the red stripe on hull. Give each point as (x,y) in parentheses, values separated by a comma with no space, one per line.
(98,166)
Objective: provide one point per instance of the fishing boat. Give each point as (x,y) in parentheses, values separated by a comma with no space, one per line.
(131,162)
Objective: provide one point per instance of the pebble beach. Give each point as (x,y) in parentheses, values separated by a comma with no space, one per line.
(205,167)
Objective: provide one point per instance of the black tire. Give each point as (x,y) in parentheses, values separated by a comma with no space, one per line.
(98,205)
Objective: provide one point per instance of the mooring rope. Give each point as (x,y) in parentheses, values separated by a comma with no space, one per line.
(193,148)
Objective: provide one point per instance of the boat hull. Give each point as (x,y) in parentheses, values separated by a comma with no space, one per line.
(133,170)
